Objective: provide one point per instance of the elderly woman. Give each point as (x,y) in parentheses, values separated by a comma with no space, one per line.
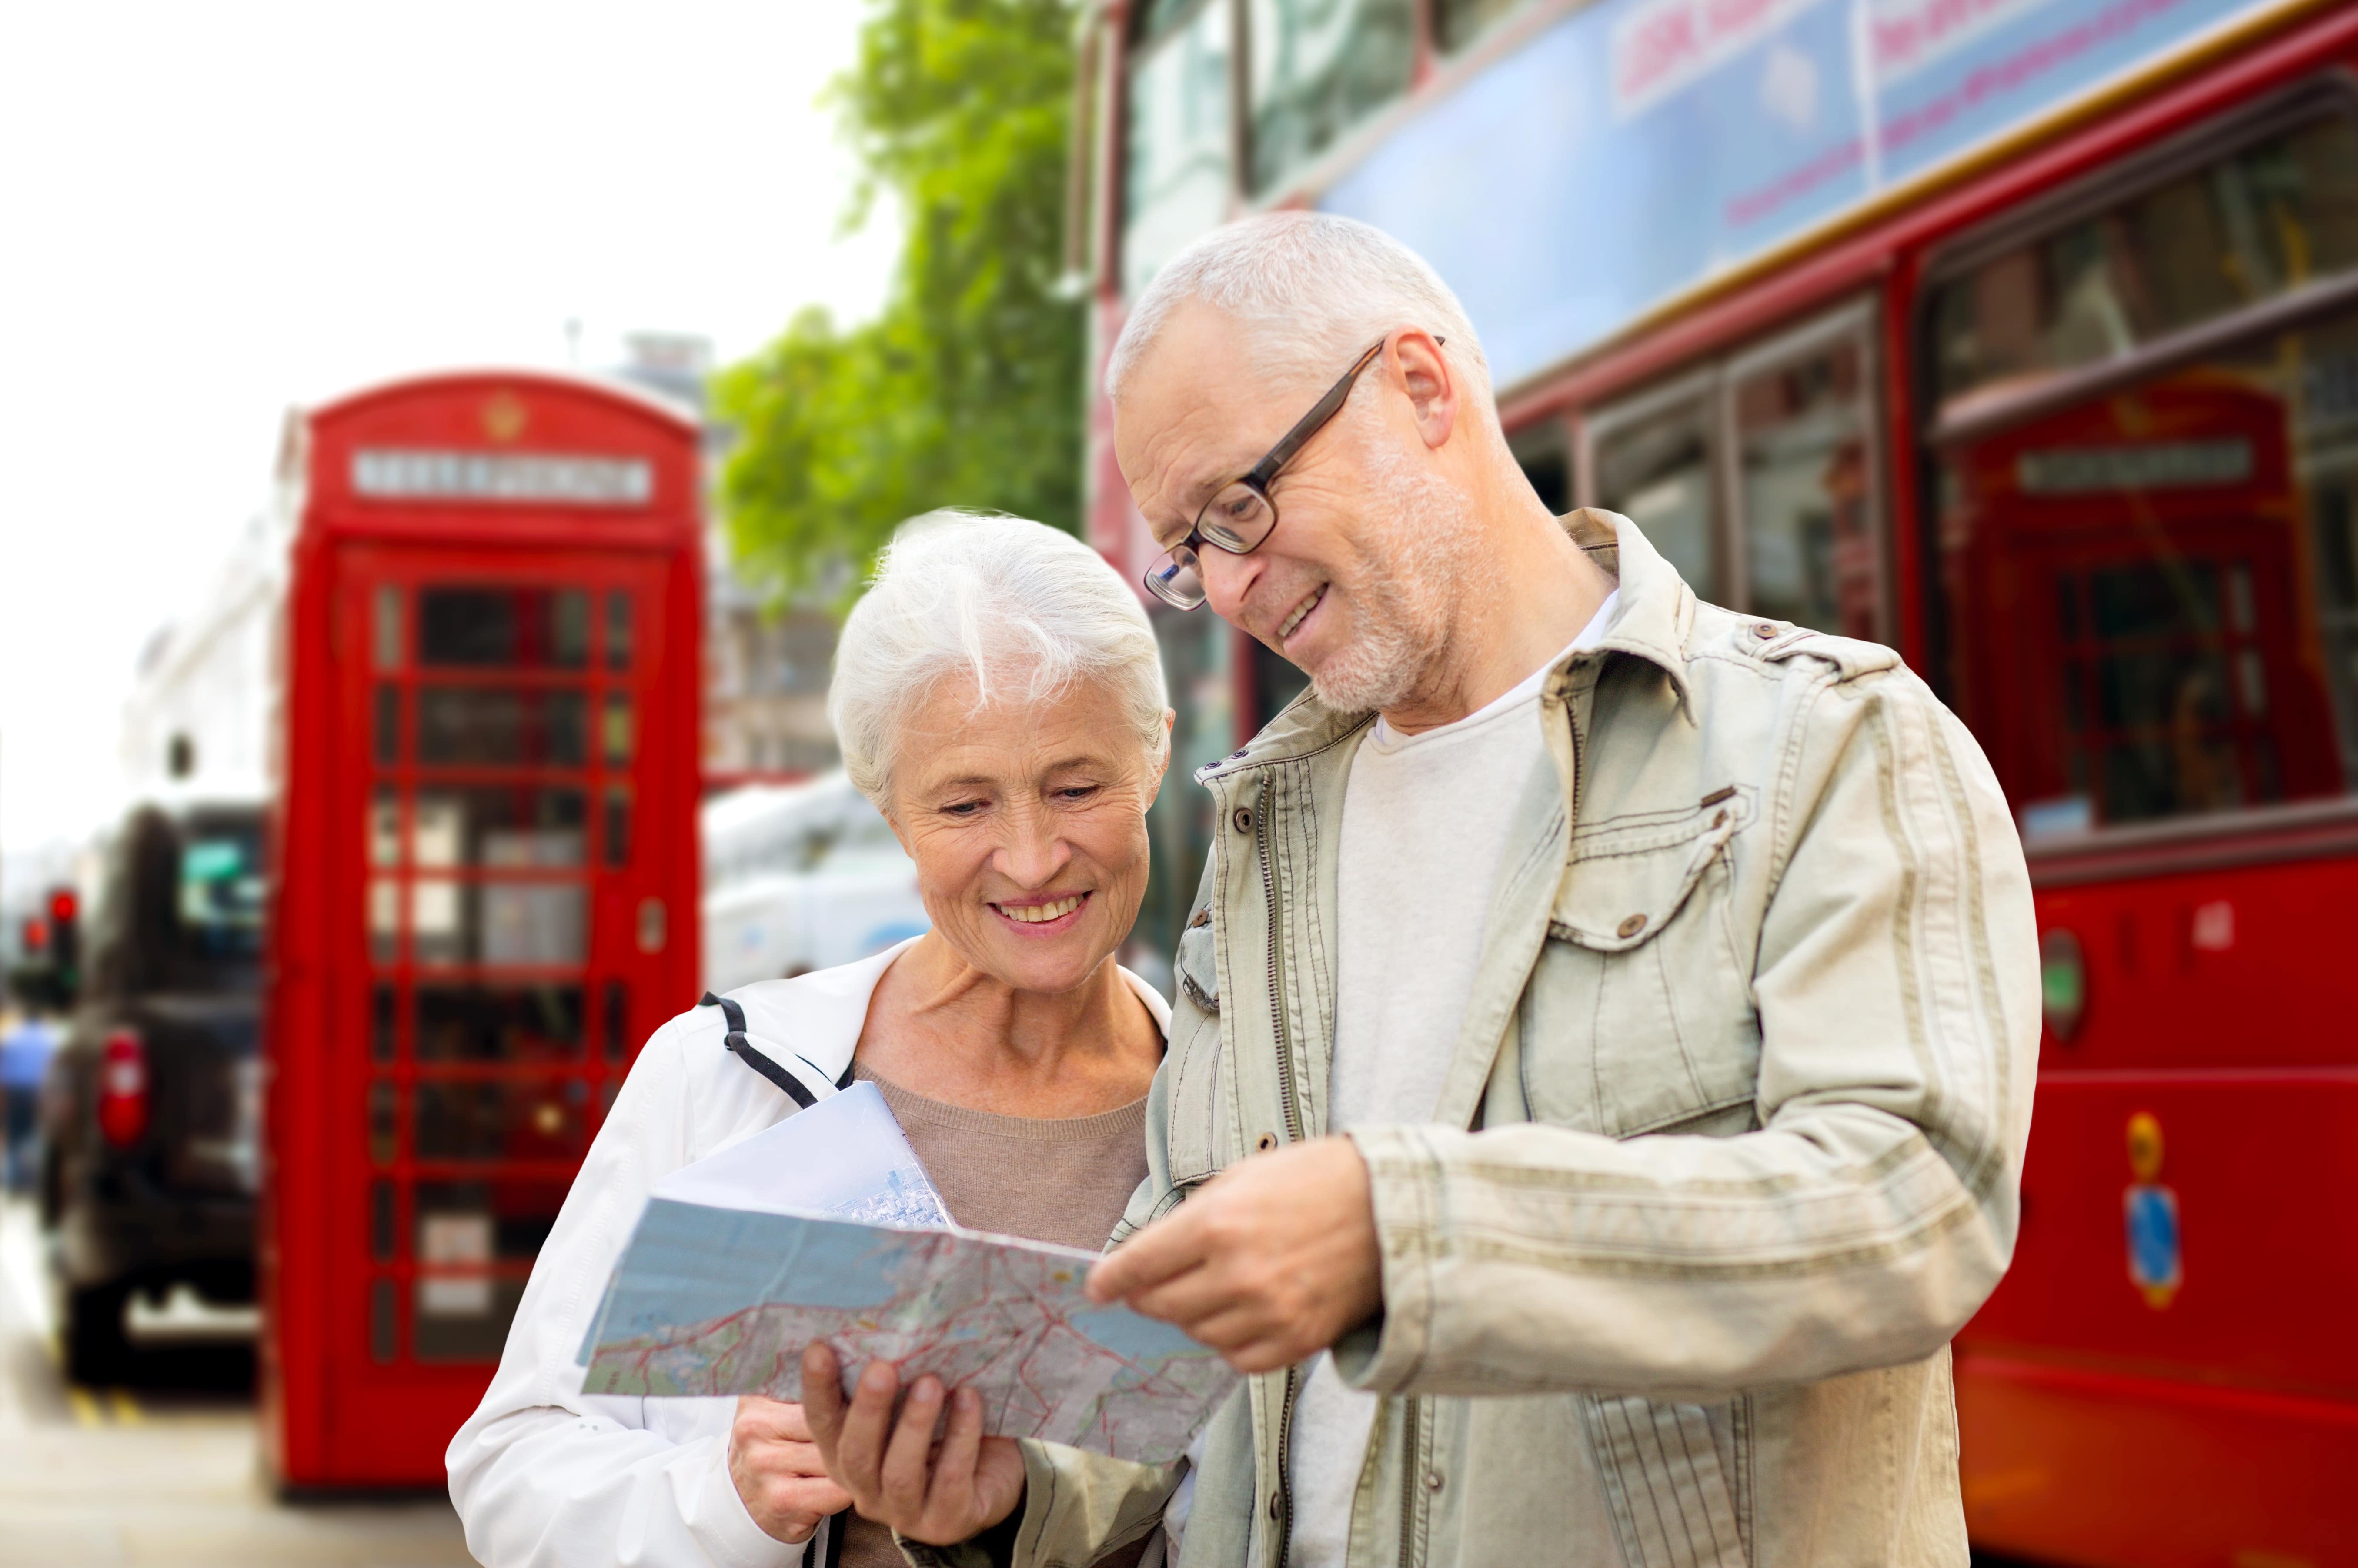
(998,696)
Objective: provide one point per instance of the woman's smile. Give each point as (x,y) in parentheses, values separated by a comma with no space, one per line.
(1043,917)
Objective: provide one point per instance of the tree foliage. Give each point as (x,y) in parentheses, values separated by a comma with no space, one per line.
(965,391)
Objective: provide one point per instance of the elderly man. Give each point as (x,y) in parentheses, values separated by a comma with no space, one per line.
(1602,1058)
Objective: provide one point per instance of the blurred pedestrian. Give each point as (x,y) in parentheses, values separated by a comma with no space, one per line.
(1602,1060)
(24,1052)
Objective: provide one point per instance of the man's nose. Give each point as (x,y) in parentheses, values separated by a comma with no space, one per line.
(1227,579)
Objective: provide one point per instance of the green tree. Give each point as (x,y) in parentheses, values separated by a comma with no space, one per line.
(965,391)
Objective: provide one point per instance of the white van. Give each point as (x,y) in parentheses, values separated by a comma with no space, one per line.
(800,877)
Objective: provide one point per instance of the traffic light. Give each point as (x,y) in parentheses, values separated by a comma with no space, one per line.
(65,945)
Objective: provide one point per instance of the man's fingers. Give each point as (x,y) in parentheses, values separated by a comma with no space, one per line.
(1187,1298)
(1169,1247)
(822,1403)
(859,1448)
(952,1494)
(908,1459)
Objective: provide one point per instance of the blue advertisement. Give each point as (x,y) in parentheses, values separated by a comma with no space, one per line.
(1641,146)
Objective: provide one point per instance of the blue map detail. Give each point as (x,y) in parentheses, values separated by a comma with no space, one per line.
(2152,1220)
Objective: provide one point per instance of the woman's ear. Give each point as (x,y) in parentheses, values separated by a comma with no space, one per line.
(1162,757)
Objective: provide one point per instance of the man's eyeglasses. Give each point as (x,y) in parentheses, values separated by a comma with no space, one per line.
(1241,515)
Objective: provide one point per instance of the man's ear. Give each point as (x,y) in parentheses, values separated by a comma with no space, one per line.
(1432,387)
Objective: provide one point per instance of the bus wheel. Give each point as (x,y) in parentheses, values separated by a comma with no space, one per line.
(95,1346)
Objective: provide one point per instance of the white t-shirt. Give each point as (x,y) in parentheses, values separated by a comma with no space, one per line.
(1425,819)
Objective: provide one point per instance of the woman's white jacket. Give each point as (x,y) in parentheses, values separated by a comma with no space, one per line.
(544,1473)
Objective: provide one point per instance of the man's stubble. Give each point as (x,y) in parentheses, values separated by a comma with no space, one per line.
(1418,566)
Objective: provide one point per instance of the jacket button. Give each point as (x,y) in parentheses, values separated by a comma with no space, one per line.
(1243,820)
(1631,927)
(1433,1480)
(1265,1143)
(1764,629)
(1272,1505)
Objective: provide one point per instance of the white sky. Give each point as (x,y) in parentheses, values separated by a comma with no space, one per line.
(208,212)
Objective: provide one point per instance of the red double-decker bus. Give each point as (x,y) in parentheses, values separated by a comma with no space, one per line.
(2021,335)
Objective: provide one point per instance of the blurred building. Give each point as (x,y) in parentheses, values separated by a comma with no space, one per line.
(766,663)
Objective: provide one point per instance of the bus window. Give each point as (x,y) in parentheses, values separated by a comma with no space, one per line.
(1544,450)
(1456,22)
(1652,463)
(2214,240)
(1317,67)
(1805,486)
(1177,174)
(2152,600)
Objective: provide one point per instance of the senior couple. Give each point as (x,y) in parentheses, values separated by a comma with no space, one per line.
(1600,1065)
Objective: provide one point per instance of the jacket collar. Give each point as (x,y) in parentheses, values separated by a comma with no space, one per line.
(1651,621)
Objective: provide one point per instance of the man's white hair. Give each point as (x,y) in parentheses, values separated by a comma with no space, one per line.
(1311,290)
(1012,606)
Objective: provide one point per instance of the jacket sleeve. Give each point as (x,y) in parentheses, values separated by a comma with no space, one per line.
(1873,1207)
(1079,1506)
(543,1474)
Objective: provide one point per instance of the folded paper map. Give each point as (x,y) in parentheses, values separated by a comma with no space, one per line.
(722,1298)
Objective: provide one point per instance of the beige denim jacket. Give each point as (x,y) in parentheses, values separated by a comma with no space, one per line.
(1730,1140)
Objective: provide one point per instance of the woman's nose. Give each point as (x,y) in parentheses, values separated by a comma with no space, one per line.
(1033,852)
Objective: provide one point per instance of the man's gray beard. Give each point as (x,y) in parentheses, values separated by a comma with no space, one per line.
(1415,570)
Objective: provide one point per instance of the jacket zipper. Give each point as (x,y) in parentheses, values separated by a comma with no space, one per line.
(1282,1516)
(1407,1482)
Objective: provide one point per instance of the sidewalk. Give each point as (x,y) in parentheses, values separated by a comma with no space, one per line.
(163,1475)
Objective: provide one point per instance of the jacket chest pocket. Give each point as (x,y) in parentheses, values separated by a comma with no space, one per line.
(1639,1016)
(1192,1058)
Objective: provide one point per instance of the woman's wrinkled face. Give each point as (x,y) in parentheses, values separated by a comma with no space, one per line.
(1028,825)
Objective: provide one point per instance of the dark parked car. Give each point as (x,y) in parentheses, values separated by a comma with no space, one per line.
(151,1109)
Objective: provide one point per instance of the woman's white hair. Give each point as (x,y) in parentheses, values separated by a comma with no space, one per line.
(1012,606)
(1311,290)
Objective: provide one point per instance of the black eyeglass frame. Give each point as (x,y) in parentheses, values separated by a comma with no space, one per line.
(1258,479)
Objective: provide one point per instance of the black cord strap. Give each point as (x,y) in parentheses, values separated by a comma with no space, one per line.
(734,1016)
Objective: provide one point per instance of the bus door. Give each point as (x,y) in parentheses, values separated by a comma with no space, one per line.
(503,936)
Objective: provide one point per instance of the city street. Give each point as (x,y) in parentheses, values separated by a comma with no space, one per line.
(164,1471)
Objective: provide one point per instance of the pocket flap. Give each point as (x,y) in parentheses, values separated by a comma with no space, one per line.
(1629,874)
(1199,973)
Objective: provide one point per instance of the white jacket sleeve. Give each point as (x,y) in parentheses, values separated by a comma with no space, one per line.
(543,1474)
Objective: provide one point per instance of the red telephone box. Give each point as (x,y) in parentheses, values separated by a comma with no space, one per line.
(488,883)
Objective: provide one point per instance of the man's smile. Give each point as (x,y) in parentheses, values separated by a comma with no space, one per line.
(1293,623)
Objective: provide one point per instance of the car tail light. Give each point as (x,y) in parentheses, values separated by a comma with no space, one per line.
(122,1088)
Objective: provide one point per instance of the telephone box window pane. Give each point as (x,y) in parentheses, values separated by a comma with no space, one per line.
(384,827)
(511,925)
(498,1023)
(500,726)
(509,628)
(499,825)
(619,631)
(1656,471)
(529,1120)
(384,1031)
(463,1319)
(619,731)
(385,919)
(388,725)
(381,1220)
(513,1217)
(1808,491)
(384,639)
(383,1121)
(618,828)
(1179,127)
(618,1020)
(385,1336)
